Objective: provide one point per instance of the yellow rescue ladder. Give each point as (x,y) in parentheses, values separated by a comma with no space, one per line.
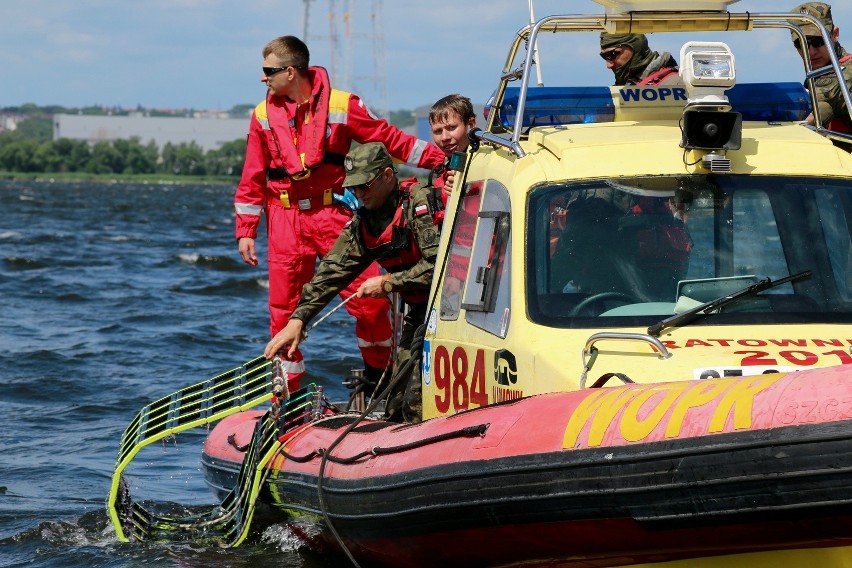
(200,404)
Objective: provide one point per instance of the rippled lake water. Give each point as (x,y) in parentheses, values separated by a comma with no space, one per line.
(113,295)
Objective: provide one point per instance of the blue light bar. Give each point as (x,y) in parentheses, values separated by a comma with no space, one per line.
(553,106)
(770,102)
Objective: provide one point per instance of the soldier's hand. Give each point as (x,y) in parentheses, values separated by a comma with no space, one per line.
(247,251)
(372,288)
(288,338)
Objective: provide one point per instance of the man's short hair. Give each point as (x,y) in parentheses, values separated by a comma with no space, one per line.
(290,52)
(456,103)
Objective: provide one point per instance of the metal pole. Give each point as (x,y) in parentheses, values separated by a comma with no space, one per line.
(535,48)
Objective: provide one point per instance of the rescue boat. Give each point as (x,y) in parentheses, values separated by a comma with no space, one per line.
(597,477)
(648,362)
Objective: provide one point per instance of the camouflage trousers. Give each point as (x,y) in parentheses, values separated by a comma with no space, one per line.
(405,401)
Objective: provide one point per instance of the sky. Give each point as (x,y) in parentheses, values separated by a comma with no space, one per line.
(206,54)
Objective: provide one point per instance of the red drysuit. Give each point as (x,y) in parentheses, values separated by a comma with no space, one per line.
(293,166)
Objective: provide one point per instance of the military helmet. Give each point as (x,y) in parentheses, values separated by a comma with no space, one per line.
(365,162)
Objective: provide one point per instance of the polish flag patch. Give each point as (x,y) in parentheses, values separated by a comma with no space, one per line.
(421,210)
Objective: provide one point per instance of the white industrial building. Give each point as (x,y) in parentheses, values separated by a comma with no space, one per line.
(208,133)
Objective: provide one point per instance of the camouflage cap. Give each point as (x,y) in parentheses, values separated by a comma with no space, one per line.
(821,11)
(365,162)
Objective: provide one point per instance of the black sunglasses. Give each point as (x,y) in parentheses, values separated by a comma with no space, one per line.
(366,186)
(816,42)
(611,54)
(270,71)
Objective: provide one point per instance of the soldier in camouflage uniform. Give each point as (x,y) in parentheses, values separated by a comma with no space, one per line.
(633,63)
(395,228)
(832,107)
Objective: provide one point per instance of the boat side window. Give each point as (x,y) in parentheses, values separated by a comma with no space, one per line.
(486,296)
(835,211)
(615,252)
(789,227)
(753,223)
(460,247)
(617,241)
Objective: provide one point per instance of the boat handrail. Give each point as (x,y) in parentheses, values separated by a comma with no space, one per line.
(590,353)
(477,135)
(645,22)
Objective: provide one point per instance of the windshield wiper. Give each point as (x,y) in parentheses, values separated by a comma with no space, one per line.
(705,309)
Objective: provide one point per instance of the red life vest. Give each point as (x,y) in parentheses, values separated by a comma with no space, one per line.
(657,76)
(286,157)
(663,243)
(836,124)
(839,126)
(395,249)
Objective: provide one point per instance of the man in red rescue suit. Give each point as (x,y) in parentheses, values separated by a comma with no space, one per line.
(633,63)
(293,172)
(393,227)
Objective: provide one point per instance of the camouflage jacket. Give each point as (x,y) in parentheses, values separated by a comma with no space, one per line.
(349,256)
(829,94)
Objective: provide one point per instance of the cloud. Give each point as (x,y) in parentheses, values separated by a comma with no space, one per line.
(206,53)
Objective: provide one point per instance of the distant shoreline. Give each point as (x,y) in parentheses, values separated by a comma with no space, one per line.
(115,178)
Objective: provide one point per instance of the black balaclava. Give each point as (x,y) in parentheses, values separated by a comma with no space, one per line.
(642,55)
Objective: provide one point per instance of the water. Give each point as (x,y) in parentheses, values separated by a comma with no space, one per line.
(112,295)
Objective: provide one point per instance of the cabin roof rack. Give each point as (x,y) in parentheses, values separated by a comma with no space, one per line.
(643,20)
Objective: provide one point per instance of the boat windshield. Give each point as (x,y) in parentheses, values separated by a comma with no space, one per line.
(631,251)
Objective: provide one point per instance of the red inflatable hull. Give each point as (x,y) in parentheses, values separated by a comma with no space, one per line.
(600,477)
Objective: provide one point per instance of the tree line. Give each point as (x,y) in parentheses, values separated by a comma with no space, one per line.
(25,150)
(30,148)
(120,157)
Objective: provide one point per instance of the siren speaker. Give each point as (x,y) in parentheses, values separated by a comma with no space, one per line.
(712,130)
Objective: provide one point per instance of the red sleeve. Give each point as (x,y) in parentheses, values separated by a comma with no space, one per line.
(250,196)
(404,147)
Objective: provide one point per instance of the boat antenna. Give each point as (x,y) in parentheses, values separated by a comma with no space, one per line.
(535,47)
